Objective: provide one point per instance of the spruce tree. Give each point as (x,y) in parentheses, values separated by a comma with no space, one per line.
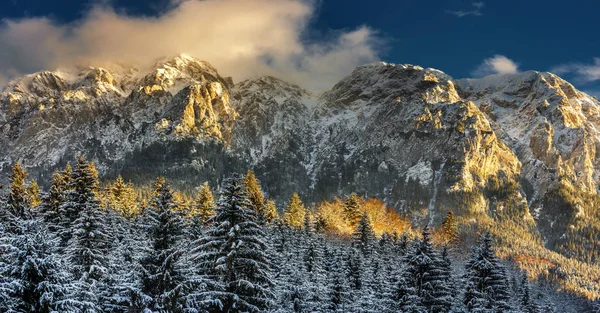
(294,212)
(449,229)
(81,192)
(32,276)
(271,213)
(364,237)
(352,209)
(203,207)
(120,197)
(54,198)
(233,255)
(487,286)
(163,273)
(16,207)
(425,273)
(255,194)
(528,304)
(19,201)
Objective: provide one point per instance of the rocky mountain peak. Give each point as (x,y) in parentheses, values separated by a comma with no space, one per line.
(386,82)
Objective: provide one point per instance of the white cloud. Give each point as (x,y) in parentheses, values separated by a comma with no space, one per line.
(240,38)
(498,64)
(478,5)
(476,11)
(585,73)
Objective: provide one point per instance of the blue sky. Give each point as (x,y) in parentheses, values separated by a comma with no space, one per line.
(462,38)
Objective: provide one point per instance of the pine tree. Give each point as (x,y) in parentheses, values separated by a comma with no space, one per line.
(364,237)
(255,194)
(294,212)
(406,296)
(33,189)
(233,255)
(54,198)
(204,204)
(352,209)
(87,235)
(18,201)
(81,193)
(271,213)
(426,274)
(487,286)
(528,304)
(32,277)
(121,197)
(449,229)
(163,273)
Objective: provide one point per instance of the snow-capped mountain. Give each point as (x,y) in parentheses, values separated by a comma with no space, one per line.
(419,139)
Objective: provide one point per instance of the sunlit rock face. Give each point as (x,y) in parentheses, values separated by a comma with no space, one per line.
(418,139)
(552,128)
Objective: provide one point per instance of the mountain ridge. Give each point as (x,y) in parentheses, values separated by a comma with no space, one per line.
(517,146)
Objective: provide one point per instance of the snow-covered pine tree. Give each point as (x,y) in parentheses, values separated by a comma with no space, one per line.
(528,304)
(426,274)
(51,201)
(33,278)
(17,205)
(487,287)
(337,286)
(163,270)
(81,192)
(363,237)
(405,295)
(233,254)
(294,212)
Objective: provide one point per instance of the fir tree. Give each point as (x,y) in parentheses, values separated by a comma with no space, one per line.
(352,209)
(528,304)
(487,286)
(255,194)
(233,254)
(163,273)
(32,277)
(54,198)
(449,229)
(19,201)
(271,213)
(203,207)
(364,237)
(294,212)
(426,274)
(81,193)
(121,198)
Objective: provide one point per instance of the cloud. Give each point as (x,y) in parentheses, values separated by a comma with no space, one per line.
(585,73)
(476,11)
(240,38)
(498,64)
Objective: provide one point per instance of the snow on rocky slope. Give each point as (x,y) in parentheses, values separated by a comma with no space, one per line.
(412,136)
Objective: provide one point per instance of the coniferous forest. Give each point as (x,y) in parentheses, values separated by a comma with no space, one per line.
(85,247)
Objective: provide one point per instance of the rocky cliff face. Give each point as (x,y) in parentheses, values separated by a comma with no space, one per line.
(415,137)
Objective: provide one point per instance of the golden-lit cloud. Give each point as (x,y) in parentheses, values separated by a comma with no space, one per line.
(240,38)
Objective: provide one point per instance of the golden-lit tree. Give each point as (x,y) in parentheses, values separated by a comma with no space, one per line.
(121,197)
(270,211)
(203,206)
(294,212)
